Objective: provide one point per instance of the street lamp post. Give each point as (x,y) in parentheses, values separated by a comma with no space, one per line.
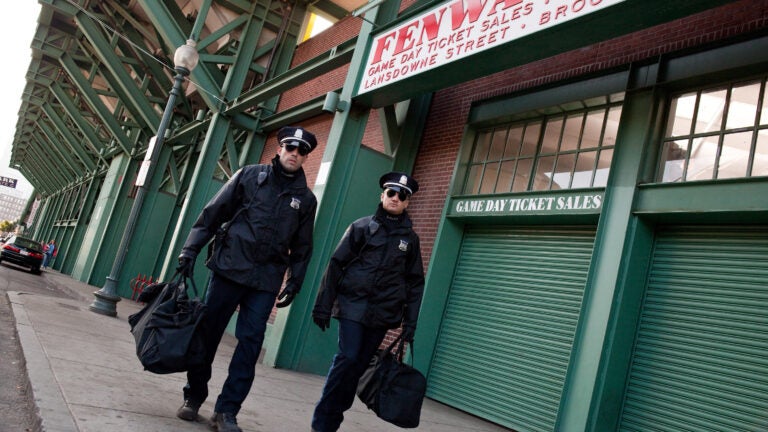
(184,59)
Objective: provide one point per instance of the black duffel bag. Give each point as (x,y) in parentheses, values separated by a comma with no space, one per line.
(168,330)
(393,389)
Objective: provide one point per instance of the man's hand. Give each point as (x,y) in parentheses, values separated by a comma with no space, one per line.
(186,266)
(286,296)
(323,323)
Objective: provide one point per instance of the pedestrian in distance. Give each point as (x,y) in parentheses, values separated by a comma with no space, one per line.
(49,253)
(263,219)
(374,282)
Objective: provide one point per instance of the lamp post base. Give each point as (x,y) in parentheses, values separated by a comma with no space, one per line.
(106,300)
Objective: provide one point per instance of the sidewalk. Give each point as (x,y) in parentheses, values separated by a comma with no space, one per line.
(86,378)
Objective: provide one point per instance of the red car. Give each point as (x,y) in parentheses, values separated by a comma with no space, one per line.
(22,251)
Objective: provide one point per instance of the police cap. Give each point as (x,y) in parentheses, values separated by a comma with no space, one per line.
(300,135)
(399,181)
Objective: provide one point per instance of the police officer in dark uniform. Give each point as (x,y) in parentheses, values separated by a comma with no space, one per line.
(263,219)
(374,282)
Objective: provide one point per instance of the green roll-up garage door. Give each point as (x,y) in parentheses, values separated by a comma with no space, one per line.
(506,336)
(700,361)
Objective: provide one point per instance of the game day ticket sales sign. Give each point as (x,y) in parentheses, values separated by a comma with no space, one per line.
(460,28)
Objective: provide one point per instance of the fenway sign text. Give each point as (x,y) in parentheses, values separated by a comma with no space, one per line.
(460,28)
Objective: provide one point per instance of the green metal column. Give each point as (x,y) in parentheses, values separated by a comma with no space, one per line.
(621,239)
(95,248)
(294,336)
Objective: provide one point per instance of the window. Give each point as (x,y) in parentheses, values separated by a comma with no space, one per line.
(716,133)
(315,23)
(563,147)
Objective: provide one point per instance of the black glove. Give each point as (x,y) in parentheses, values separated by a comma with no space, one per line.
(408,333)
(286,296)
(186,266)
(323,323)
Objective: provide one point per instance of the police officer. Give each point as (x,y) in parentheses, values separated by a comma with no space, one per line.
(374,282)
(263,219)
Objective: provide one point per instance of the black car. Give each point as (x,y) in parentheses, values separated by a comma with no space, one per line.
(22,251)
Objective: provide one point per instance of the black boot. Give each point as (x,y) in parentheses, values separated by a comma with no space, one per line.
(188,411)
(225,422)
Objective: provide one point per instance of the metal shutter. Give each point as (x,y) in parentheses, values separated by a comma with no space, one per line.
(506,336)
(701,357)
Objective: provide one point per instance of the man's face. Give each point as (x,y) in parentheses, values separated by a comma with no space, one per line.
(394,204)
(290,157)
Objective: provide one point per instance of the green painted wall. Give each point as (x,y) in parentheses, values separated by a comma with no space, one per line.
(317,348)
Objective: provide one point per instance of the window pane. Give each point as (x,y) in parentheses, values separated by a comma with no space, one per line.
(565,165)
(612,126)
(592,128)
(709,116)
(481,147)
(572,132)
(522,175)
(585,165)
(672,162)
(603,168)
(531,142)
(489,178)
(473,179)
(764,111)
(735,155)
(760,163)
(681,115)
(552,136)
(743,106)
(513,142)
(543,173)
(701,165)
(505,177)
(497,145)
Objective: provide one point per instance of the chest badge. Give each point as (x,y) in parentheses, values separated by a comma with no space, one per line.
(295,203)
(403,246)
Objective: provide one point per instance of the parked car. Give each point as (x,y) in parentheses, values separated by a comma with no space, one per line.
(22,251)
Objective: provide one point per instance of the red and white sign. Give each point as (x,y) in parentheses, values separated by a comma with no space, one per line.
(460,28)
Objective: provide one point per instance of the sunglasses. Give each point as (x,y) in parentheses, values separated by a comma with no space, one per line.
(402,195)
(291,146)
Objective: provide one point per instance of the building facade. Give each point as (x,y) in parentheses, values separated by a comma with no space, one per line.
(593,201)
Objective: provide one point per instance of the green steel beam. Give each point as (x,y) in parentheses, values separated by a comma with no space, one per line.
(48,155)
(587,384)
(86,128)
(94,102)
(68,137)
(43,163)
(162,17)
(68,165)
(46,183)
(330,60)
(136,99)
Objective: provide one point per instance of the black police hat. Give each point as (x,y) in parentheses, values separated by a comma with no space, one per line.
(399,181)
(297,134)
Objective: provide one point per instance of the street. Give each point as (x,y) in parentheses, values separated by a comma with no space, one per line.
(17,410)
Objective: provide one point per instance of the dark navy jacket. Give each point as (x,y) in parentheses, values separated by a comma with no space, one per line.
(271,230)
(376,275)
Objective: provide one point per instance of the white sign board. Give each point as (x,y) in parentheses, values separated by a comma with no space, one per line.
(141,177)
(460,28)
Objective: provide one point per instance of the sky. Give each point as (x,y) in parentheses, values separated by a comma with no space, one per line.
(19,27)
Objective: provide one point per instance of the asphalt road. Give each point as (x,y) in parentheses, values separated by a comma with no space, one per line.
(17,409)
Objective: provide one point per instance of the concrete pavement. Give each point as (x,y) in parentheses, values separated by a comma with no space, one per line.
(86,378)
